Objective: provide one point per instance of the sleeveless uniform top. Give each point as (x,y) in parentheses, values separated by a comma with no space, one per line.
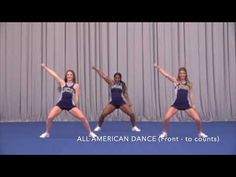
(182,97)
(116,95)
(65,101)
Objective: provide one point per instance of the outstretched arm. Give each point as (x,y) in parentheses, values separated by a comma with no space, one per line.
(102,75)
(53,74)
(164,73)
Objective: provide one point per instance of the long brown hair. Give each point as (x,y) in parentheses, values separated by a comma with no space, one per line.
(74,77)
(65,78)
(188,82)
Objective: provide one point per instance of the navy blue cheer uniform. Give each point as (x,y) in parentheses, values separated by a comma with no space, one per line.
(182,97)
(65,101)
(116,95)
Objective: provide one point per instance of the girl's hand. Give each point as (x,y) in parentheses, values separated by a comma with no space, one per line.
(156,66)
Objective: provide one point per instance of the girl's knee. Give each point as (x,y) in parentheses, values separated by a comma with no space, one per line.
(50,118)
(131,114)
(167,118)
(84,119)
(102,116)
(198,121)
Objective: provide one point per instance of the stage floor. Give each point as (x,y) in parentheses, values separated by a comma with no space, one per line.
(116,137)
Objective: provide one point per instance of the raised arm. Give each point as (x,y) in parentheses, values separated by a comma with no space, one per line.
(164,73)
(102,75)
(53,74)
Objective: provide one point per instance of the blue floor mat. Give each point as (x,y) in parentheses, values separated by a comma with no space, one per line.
(116,137)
